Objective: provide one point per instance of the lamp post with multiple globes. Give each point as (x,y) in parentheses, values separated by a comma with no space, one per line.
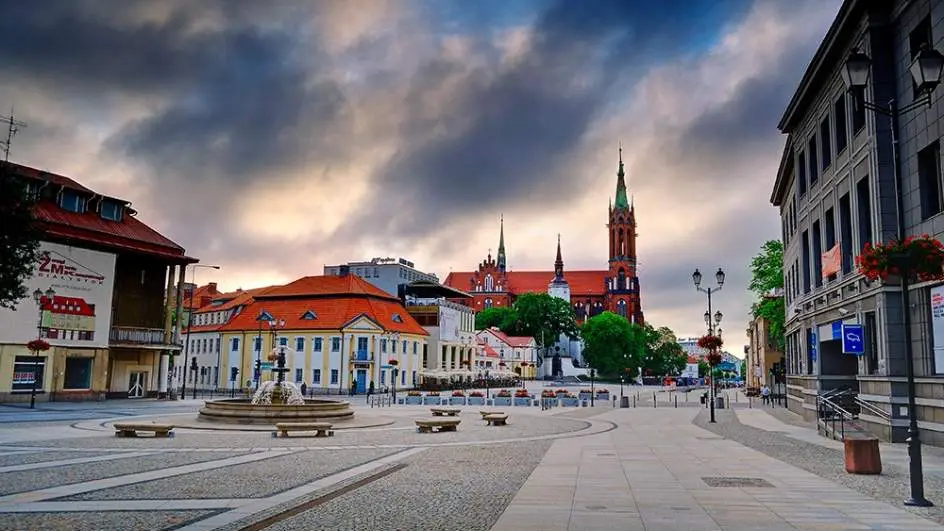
(719,278)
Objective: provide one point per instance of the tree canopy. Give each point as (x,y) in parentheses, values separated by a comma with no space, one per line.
(612,344)
(502,317)
(19,238)
(663,354)
(542,317)
(766,277)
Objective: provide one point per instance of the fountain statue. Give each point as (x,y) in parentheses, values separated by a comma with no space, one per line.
(278,393)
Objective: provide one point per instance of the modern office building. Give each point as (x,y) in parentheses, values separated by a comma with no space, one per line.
(836,191)
(387,274)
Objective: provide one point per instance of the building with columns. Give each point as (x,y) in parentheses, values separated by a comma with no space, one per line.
(451,345)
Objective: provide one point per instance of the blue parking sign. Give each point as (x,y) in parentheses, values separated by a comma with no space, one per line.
(853,339)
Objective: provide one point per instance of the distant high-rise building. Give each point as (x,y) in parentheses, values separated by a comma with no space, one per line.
(385,273)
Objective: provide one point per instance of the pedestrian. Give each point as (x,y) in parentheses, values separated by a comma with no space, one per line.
(765,394)
(370,389)
(303,389)
(353,388)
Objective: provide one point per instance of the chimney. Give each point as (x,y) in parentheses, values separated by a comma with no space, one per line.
(212,288)
(344,270)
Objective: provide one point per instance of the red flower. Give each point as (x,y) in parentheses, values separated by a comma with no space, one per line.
(393,361)
(38,345)
(918,257)
(710,342)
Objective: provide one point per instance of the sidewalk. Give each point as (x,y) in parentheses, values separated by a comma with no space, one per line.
(657,471)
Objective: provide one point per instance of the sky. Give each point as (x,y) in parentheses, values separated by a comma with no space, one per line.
(272,138)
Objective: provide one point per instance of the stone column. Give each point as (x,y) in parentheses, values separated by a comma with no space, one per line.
(181,279)
(162,378)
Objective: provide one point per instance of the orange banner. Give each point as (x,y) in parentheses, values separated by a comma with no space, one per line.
(832,261)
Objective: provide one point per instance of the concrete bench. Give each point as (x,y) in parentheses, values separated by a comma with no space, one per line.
(496,419)
(131,430)
(426,426)
(321,429)
(487,413)
(441,411)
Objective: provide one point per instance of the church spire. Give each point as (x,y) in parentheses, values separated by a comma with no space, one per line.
(621,200)
(559,263)
(501,246)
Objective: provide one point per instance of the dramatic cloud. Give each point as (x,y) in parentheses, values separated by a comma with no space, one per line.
(271,138)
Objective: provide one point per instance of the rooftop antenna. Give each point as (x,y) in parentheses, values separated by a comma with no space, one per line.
(13,126)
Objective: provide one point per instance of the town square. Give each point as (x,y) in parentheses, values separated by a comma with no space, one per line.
(534,265)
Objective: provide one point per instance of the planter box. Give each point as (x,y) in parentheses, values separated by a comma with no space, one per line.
(583,396)
(456,400)
(522,401)
(414,400)
(476,400)
(502,401)
(603,397)
(432,400)
(570,402)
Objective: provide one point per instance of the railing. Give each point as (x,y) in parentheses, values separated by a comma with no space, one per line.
(361,355)
(136,336)
(872,409)
(829,413)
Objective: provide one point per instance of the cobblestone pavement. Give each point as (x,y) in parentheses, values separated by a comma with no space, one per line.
(892,486)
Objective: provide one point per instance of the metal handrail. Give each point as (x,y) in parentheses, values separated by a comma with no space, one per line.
(836,407)
(878,412)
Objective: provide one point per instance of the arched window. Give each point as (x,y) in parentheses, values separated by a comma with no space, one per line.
(488,303)
(621,247)
(621,279)
(489,282)
(621,307)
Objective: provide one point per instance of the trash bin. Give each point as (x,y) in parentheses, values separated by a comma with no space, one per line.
(624,401)
(704,398)
(719,402)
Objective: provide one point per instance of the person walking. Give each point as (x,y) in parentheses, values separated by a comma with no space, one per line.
(765,394)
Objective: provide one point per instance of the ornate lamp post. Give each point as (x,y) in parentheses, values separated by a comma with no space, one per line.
(39,344)
(926,69)
(719,278)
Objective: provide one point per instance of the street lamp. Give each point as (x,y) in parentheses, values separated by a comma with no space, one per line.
(193,281)
(193,371)
(926,70)
(592,393)
(393,338)
(38,296)
(719,278)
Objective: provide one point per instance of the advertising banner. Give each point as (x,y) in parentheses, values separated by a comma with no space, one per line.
(449,319)
(937,327)
(79,315)
(832,261)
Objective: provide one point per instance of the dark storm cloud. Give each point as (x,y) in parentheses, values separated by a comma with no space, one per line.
(521,128)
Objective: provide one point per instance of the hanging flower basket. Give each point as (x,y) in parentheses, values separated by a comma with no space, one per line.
(920,258)
(393,362)
(710,342)
(272,356)
(713,358)
(501,364)
(38,345)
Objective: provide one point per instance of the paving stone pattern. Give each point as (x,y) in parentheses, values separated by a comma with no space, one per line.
(442,488)
(248,480)
(892,486)
(151,521)
(42,457)
(27,480)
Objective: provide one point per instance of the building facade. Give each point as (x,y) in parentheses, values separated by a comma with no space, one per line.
(836,192)
(335,331)
(615,289)
(518,353)
(387,274)
(762,354)
(109,323)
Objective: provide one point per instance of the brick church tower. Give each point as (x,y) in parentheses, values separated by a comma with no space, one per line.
(622,294)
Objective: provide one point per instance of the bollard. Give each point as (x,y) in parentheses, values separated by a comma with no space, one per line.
(750,403)
(634,401)
(676,401)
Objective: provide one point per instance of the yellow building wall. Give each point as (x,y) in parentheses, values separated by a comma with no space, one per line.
(54,373)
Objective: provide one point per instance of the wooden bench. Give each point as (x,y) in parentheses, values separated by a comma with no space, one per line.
(321,429)
(426,426)
(487,413)
(441,411)
(131,430)
(496,419)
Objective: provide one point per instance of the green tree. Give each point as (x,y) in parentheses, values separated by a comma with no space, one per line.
(766,279)
(703,368)
(502,317)
(612,344)
(664,356)
(542,317)
(19,238)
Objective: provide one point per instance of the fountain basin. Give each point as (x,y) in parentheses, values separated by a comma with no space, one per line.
(243,411)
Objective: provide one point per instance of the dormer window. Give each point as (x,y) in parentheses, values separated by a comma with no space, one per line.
(72,201)
(111,210)
(397,318)
(266,316)
(309,316)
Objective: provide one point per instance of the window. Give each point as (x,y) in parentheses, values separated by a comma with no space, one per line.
(383,376)
(845,232)
(414,378)
(929,179)
(842,136)
(257,344)
(402,377)
(864,212)
(817,255)
(813,168)
(824,137)
(309,316)
(316,344)
(396,318)
(488,303)
(383,346)
(858,115)
(829,228)
(404,347)
(801,173)
(393,346)
(299,344)
(919,38)
(806,261)
(298,375)
(234,344)
(415,346)
(72,201)
(111,210)
(334,376)
(316,376)
(335,344)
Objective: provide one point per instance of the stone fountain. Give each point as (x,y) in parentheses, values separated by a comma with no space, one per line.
(277,401)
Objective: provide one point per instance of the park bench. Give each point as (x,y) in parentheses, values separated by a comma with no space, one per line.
(321,429)
(441,411)
(426,426)
(487,413)
(496,419)
(131,430)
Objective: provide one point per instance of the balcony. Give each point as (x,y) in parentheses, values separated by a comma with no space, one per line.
(136,336)
(361,355)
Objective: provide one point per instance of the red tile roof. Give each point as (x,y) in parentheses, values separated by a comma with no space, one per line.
(581,282)
(328,285)
(511,341)
(489,351)
(202,296)
(332,313)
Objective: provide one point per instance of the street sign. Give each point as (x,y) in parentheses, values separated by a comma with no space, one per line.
(853,339)
(837,330)
(814,345)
